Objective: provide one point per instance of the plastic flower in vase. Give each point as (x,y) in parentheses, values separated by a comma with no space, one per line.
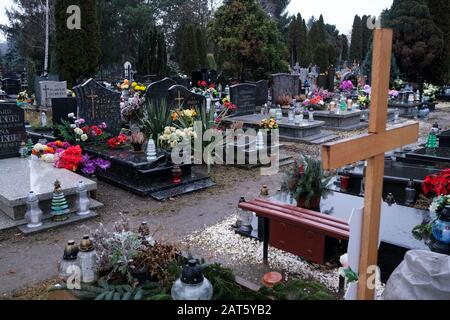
(346,85)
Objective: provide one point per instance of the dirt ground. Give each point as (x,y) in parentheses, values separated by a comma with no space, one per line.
(28,261)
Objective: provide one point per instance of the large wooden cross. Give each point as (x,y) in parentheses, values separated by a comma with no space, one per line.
(92,96)
(372,146)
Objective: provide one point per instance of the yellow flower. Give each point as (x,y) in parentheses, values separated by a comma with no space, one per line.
(134,84)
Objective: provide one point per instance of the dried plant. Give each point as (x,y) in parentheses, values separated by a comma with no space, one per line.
(300,98)
(284,100)
(137,138)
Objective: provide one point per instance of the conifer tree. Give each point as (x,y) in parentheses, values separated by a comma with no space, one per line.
(189,55)
(356,42)
(201,47)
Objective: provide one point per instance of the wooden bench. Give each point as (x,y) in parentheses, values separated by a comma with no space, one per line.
(296,230)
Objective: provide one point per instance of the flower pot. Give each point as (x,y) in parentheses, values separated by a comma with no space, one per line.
(137,148)
(314,203)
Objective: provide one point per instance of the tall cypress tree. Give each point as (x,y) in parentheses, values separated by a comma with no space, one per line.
(344,46)
(306,52)
(189,55)
(356,42)
(366,35)
(152,55)
(418,42)
(292,38)
(77,50)
(201,47)
(440,12)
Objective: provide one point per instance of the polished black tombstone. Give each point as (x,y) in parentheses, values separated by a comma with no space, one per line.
(438,156)
(61,108)
(133,172)
(158,91)
(12,130)
(97,104)
(396,177)
(11,86)
(396,225)
(444,139)
(262,92)
(244,97)
(180,97)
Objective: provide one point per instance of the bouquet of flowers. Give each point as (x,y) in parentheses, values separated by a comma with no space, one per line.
(430,91)
(70,158)
(346,85)
(43,152)
(437,184)
(315,102)
(116,142)
(203,89)
(364,101)
(173,136)
(268,124)
(90,166)
(185,117)
(393,94)
(226,109)
(77,131)
(22,97)
(325,94)
(423,231)
(132,109)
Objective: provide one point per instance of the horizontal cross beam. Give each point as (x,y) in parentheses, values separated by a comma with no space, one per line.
(343,152)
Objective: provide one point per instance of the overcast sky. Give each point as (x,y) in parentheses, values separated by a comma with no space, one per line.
(340,13)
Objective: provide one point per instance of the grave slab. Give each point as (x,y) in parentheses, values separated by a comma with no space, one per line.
(365,115)
(133,172)
(345,121)
(437,156)
(306,132)
(405,109)
(444,139)
(19,176)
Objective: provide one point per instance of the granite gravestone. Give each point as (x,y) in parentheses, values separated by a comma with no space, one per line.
(285,84)
(322,82)
(244,97)
(330,79)
(196,77)
(12,129)
(180,97)
(61,107)
(262,91)
(97,104)
(50,90)
(159,91)
(37,85)
(11,86)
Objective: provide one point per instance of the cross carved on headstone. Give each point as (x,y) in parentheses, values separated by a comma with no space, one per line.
(372,147)
(180,99)
(45,89)
(92,96)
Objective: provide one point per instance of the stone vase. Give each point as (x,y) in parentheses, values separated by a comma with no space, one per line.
(314,203)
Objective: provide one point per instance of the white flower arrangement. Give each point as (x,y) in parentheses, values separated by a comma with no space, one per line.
(173,136)
(48,157)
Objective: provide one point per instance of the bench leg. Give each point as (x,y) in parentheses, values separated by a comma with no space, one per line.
(265,241)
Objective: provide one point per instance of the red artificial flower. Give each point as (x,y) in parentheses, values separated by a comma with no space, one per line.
(212,86)
(229,105)
(437,184)
(96,131)
(301,169)
(122,138)
(204,84)
(85,129)
(70,158)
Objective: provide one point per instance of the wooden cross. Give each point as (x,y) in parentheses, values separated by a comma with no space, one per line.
(179,99)
(92,96)
(372,147)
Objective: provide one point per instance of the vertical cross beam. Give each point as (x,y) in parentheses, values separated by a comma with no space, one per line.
(381,67)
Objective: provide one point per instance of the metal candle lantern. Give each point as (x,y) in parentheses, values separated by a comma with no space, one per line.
(33,216)
(410,193)
(87,259)
(192,285)
(83,202)
(69,262)
(441,232)
(176,175)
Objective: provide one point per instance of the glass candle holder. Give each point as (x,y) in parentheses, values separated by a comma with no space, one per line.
(83,203)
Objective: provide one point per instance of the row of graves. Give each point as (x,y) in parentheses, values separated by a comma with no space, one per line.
(399,224)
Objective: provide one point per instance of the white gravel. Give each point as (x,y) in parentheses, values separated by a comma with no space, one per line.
(225,245)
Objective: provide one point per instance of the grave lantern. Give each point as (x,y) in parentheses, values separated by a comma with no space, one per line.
(441,232)
(192,285)
(69,262)
(244,222)
(410,193)
(23,150)
(176,175)
(83,202)
(87,259)
(33,216)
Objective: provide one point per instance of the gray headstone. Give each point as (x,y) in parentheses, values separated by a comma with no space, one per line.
(37,87)
(159,90)
(50,90)
(244,97)
(12,129)
(179,96)
(97,104)
(285,84)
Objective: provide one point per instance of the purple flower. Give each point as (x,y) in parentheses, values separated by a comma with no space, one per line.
(60,150)
(367,89)
(103,125)
(66,145)
(88,167)
(52,145)
(102,163)
(81,121)
(346,85)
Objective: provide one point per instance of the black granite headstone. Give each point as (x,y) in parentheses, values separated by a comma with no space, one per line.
(244,97)
(444,139)
(213,76)
(322,81)
(196,77)
(285,84)
(180,97)
(330,79)
(97,104)
(11,86)
(61,107)
(159,91)
(12,129)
